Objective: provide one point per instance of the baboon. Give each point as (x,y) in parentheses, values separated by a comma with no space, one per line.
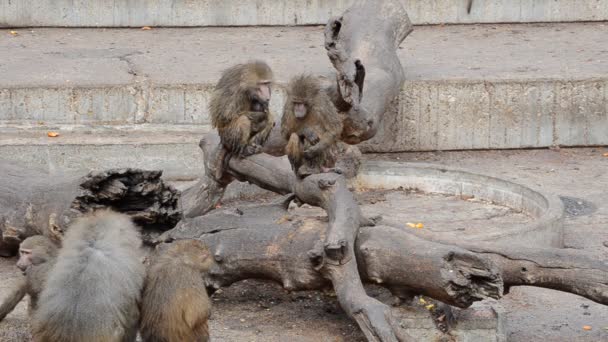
(239,108)
(312,126)
(93,291)
(175,305)
(37,255)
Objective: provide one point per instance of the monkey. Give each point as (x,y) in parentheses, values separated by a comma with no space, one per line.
(175,305)
(37,255)
(94,288)
(239,108)
(312,127)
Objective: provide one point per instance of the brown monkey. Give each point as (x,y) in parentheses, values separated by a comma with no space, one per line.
(93,291)
(36,256)
(175,305)
(312,126)
(239,108)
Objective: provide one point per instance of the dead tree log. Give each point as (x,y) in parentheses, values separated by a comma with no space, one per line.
(362,45)
(334,255)
(267,242)
(33,201)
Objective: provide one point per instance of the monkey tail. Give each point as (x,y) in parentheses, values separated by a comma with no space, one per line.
(14,298)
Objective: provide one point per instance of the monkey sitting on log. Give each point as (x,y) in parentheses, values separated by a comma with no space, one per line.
(94,288)
(36,256)
(239,108)
(175,305)
(312,127)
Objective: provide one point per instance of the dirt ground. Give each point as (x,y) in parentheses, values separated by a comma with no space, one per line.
(260,311)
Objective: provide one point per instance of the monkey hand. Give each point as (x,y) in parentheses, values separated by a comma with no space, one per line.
(257,117)
(311,152)
(310,135)
(251,149)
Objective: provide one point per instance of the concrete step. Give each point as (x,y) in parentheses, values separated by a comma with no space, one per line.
(136,13)
(173,149)
(468,87)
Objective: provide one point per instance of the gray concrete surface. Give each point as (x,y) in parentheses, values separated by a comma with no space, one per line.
(534,314)
(543,228)
(175,151)
(255,311)
(99,13)
(468,87)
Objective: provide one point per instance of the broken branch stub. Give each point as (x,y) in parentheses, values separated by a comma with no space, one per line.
(362,45)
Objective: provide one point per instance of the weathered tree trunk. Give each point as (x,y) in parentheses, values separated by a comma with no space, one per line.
(267,242)
(362,45)
(35,202)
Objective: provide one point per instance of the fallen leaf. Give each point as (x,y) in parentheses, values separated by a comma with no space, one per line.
(422,301)
(411,225)
(283,219)
(419,225)
(430,306)
(14,33)
(145,28)
(52,134)
(587,327)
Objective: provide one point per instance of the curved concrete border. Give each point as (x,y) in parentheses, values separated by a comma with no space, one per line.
(547,209)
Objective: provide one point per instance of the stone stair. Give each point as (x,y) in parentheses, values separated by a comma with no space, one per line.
(135,13)
(133,97)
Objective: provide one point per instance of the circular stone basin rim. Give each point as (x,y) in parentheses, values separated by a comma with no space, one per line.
(547,210)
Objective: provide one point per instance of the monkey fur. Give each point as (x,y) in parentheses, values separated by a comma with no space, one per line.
(94,288)
(239,113)
(175,305)
(312,139)
(37,255)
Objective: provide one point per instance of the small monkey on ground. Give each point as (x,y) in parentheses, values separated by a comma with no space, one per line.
(175,305)
(239,108)
(37,255)
(312,127)
(94,288)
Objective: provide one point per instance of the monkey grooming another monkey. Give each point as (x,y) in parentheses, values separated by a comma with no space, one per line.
(239,108)
(312,127)
(94,288)
(175,305)
(36,256)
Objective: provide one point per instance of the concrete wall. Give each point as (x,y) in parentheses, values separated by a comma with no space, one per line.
(432,115)
(135,13)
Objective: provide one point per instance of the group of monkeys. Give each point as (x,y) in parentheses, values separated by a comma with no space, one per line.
(310,124)
(95,286)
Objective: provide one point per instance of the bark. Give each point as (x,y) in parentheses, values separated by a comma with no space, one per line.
(362,45)
(33,201)
(267,242)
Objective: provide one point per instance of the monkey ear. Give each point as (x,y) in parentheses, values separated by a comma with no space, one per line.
(56,231)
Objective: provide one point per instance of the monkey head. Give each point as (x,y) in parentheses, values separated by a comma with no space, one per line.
(303,90)
(35,250)
(257,81)
(192,253)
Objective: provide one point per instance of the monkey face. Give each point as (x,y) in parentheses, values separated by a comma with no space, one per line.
(25,259)
(300,109)
(263,90)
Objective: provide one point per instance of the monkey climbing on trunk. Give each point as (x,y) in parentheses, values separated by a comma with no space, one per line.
(311,126)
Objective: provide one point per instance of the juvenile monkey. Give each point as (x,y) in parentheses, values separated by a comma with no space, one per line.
(175,305)
(93,290)
(239,108)
(312,126)
(37,255)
